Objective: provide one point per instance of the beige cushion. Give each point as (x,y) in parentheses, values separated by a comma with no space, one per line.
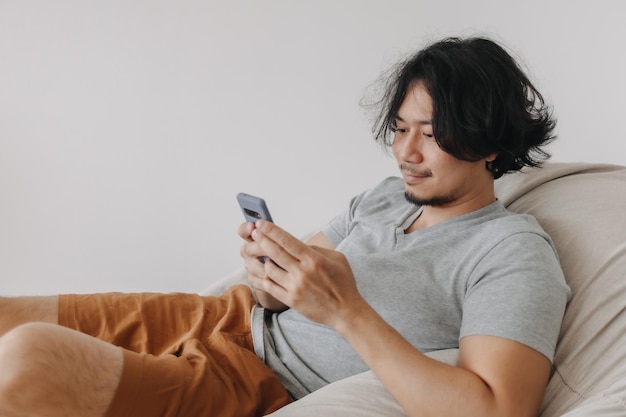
(606,403)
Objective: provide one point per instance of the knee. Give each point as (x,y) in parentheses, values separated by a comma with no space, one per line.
(23,350)
(24,338)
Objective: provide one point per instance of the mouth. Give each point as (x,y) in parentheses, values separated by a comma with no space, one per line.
(412,175)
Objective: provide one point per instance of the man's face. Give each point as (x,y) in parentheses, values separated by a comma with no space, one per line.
(432,176)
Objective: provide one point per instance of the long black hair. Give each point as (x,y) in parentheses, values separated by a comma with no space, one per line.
(483,103)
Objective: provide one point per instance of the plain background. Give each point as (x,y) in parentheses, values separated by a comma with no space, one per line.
(128,127)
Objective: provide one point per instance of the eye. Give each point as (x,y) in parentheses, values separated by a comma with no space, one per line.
(398,129)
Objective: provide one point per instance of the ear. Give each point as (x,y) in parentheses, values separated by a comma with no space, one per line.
(491,157)
(489,164)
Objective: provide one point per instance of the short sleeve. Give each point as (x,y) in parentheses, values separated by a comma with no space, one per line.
(339,228)
(517,291)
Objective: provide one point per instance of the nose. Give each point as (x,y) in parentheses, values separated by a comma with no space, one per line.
(408,147)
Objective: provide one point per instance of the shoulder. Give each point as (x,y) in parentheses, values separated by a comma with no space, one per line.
(497,223)
(513,244)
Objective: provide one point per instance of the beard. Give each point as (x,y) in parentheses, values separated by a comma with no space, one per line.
(436,201)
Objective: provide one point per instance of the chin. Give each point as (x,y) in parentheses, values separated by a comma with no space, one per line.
(434,201)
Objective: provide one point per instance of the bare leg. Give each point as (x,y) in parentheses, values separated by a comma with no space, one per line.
(20,310)
(48,370)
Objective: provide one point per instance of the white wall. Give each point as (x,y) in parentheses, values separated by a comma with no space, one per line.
(128,127)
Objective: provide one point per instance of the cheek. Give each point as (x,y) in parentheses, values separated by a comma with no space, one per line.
(442,159)
(459,174)
(450,170)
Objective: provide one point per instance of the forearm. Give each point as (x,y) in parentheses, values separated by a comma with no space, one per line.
(422,386)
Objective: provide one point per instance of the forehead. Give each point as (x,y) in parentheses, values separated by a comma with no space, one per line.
(417,106)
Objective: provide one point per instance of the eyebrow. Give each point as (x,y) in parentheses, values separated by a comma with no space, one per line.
(419,122)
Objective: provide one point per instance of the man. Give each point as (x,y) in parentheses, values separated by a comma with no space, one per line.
(424,262)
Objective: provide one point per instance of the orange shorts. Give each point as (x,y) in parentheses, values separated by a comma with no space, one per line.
(184,354)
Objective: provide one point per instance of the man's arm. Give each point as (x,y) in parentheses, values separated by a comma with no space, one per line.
(495,377)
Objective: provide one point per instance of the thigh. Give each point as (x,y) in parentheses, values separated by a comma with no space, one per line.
(184,355)
(218,378)
(156,323)
(19,310)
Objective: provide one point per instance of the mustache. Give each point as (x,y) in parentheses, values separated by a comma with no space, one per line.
(413,170)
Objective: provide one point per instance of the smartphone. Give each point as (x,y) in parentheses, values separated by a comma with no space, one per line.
(253,208)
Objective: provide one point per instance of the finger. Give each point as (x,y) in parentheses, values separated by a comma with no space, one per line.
(255,270)
(254,266)
(289,244)
(276,279)
(272,250)
(251,252)
(257,281)
(245,230)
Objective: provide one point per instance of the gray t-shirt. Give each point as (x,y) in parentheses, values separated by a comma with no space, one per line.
(489,272)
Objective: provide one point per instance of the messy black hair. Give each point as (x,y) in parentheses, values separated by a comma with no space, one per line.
(483,103)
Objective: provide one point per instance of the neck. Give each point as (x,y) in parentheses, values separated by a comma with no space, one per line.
(433,215)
